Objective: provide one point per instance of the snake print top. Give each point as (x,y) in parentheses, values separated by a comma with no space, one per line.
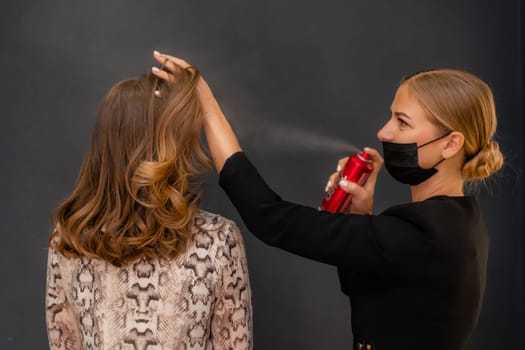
(199,300)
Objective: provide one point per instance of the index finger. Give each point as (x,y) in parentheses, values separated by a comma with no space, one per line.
(377,163)
(167,59)
(375,155)
(341,163)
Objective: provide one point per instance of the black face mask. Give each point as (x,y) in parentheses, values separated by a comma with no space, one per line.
(402,164)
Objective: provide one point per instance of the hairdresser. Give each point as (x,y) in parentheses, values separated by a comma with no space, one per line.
(415,274)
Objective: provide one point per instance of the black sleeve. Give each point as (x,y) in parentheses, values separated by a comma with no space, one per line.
(374,243)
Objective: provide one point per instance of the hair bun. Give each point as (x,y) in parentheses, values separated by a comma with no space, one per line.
(487,161)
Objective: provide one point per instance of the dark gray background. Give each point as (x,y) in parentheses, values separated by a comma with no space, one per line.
(294,77)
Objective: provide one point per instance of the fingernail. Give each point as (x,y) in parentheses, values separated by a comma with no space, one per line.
(155,69)
(328,185)
(343,183)
(338,167)
(156,53)
(366,149)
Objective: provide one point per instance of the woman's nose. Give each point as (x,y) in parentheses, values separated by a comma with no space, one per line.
(384,134)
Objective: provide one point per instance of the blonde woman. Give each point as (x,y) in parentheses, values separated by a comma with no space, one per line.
(133,262)
(414,274)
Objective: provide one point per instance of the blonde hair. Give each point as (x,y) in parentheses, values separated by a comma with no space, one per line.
(459,101)
(138,189)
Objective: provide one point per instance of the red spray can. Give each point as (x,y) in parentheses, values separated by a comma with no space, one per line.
(357,169)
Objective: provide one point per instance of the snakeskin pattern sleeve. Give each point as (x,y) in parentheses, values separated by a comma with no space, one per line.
(232,317)
(63,332)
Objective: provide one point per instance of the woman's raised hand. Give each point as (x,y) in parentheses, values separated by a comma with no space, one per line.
(362,196)
(220,136)
(171,64)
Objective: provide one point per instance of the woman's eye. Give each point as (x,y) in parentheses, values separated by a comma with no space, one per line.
(402,122)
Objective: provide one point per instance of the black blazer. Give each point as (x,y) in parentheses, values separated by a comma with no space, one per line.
(415,274)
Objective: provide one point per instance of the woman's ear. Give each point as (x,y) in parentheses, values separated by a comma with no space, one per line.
(454,145)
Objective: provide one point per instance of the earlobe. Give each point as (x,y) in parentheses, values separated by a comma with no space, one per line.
(454,145)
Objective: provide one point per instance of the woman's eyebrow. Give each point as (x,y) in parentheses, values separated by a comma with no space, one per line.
(401,114)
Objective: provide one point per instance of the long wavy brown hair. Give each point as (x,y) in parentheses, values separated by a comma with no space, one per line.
(139,185)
